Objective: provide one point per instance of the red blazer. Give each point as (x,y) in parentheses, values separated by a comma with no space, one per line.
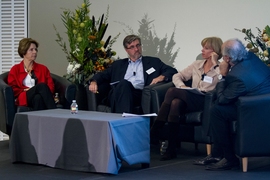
(17,74)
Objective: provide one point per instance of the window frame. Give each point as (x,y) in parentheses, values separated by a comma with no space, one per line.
(14,27)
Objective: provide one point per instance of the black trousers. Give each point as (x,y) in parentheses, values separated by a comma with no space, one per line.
(124,97)
(40,97)
(220,130)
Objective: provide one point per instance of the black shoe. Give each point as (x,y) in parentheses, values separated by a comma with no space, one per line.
(224,164)
(168,156)
(163,147)
(207,160)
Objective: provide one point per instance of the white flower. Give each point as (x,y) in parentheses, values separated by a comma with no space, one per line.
(76,51)
(77,66)
(267,43)
(265,37)
(72,67)
(107,60)
(69,68)
(265,53)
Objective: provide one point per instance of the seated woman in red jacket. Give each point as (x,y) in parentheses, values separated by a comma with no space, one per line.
(31,82)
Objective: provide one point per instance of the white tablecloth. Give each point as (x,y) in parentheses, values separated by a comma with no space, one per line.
(87,141)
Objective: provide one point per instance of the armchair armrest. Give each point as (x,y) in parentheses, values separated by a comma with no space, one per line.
(202,133)
(66,90)
(210,98)
(252,128)
(93,100)
(7,108)
(157,96)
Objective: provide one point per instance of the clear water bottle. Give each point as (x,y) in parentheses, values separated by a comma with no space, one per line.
(163,147)
(74,107)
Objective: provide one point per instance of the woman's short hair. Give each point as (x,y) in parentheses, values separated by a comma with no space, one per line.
(215,43)
(235,50)
(129,39)
(24,45)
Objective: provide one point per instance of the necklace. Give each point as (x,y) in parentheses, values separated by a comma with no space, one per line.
(28,70)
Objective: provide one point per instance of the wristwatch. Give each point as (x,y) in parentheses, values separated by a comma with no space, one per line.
(220,77)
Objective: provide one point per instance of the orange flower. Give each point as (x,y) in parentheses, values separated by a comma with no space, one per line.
(91,37)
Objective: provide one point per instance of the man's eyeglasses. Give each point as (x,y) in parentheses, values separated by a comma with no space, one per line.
(133,47)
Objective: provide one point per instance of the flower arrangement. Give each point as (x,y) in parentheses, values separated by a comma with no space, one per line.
(259,44)
(87,53)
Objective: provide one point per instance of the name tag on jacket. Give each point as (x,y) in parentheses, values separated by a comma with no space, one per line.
(208,79)
(150,71)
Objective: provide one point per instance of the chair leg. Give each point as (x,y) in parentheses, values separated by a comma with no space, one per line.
(196,146)
(244,164)
(208,149)
(145,165)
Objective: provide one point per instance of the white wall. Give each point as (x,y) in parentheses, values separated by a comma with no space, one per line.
(194,20)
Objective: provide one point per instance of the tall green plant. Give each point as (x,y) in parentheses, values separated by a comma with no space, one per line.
(87,53)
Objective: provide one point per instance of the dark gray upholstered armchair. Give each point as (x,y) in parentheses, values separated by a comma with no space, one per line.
(252,128)
(196,126)
(8,109)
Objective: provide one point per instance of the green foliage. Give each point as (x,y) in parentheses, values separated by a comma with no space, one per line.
(87,53)
(259,44)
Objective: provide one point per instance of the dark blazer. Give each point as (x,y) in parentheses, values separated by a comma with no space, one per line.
(118,70)
(248,77)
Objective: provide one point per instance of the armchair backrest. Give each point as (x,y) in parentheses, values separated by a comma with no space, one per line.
(4,76)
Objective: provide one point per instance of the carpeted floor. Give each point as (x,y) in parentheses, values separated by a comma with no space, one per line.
(180,168)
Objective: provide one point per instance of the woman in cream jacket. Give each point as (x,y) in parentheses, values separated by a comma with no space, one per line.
(179,100)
